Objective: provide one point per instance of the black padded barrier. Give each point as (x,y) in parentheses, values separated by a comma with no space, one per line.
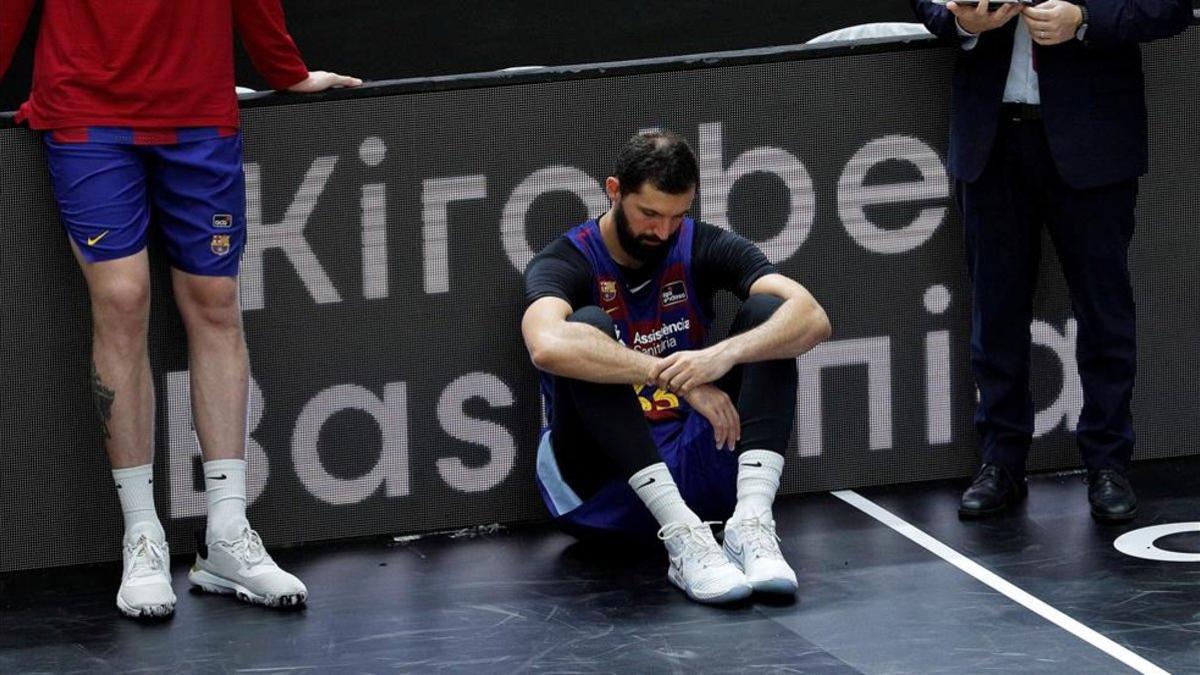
(382,289)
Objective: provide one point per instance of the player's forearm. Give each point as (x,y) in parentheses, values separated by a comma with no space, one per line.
(14,15)
(582,352)
(796,327)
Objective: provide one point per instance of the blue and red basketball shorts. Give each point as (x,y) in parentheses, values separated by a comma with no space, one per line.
(110,190)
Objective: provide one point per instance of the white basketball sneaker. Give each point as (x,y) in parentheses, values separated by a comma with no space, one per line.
(242,566)
(145,591)
(752,545)
(698,566)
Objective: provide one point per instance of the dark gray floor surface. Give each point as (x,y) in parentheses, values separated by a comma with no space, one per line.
(533,600)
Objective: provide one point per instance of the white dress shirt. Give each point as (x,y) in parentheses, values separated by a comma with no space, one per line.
(1022,84)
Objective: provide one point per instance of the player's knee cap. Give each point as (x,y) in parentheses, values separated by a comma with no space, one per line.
(596,317)
(215,294)
(129,299)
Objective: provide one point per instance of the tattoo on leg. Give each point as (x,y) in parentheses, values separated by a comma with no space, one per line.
(103,397)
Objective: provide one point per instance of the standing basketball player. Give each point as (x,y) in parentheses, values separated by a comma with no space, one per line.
(136,101)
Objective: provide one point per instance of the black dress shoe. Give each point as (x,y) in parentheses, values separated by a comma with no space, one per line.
(1111,496)
(993,490)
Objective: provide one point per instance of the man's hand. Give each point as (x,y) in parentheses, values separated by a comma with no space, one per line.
(716,407)
(978,19)
(319,80)
(682,371)
(1053,22)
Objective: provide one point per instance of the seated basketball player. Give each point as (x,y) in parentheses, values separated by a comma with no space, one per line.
(648,428)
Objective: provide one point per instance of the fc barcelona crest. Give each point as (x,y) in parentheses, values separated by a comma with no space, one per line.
(608,290)
(220,244)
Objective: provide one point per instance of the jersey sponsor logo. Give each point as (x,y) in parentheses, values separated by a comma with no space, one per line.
(642,340)
(223,221)
(92,241)
(660,340)
(674,293)
(220,244)
(608,290)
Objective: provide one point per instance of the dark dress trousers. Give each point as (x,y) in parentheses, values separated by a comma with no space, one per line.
(1071,166)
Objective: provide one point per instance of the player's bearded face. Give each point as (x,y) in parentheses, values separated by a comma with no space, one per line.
(646,248)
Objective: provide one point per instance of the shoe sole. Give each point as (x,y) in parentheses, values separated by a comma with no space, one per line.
(732,595)
(212,583)
(977,514)
(777,586)
(1108,519)
(161,611)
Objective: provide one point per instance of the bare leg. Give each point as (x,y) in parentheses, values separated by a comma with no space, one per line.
(124,396)
(121,384)
(218,361)
(234,560)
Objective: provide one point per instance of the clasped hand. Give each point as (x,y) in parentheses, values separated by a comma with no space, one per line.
(680,372)
(1050,23)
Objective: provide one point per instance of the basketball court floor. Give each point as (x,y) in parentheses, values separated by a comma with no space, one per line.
(891,582)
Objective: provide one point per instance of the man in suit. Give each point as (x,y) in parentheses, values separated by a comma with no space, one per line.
(1048,127)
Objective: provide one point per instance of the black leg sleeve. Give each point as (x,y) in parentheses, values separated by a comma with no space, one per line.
(599,432)
(764,392)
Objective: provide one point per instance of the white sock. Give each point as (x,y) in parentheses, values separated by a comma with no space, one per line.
(135,489)
(655,487)
(225,487)
(757,483)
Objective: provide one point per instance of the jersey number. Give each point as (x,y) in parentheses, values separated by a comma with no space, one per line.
(657,403)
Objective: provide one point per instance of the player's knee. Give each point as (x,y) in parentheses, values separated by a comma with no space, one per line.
(595,317)
(121,302)
(211,301)
(757,309)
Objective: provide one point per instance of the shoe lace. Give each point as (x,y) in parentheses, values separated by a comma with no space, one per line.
(248,547)
(147,557)
(760,533)
(1105,476)
(987,471)
(697,542)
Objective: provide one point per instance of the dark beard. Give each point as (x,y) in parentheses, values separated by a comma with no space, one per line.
(647,254)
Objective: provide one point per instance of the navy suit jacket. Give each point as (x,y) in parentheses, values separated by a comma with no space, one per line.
(1093,96)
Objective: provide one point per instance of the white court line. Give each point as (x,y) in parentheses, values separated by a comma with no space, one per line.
(989,578)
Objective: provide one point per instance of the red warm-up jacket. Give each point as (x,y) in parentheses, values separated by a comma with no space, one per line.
(145,63)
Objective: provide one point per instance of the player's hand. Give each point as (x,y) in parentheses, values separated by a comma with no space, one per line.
(978,19)
(1053,22)
(716,407)
(319,80)
(682,371)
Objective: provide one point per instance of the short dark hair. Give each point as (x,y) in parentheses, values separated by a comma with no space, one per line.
(662,158)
